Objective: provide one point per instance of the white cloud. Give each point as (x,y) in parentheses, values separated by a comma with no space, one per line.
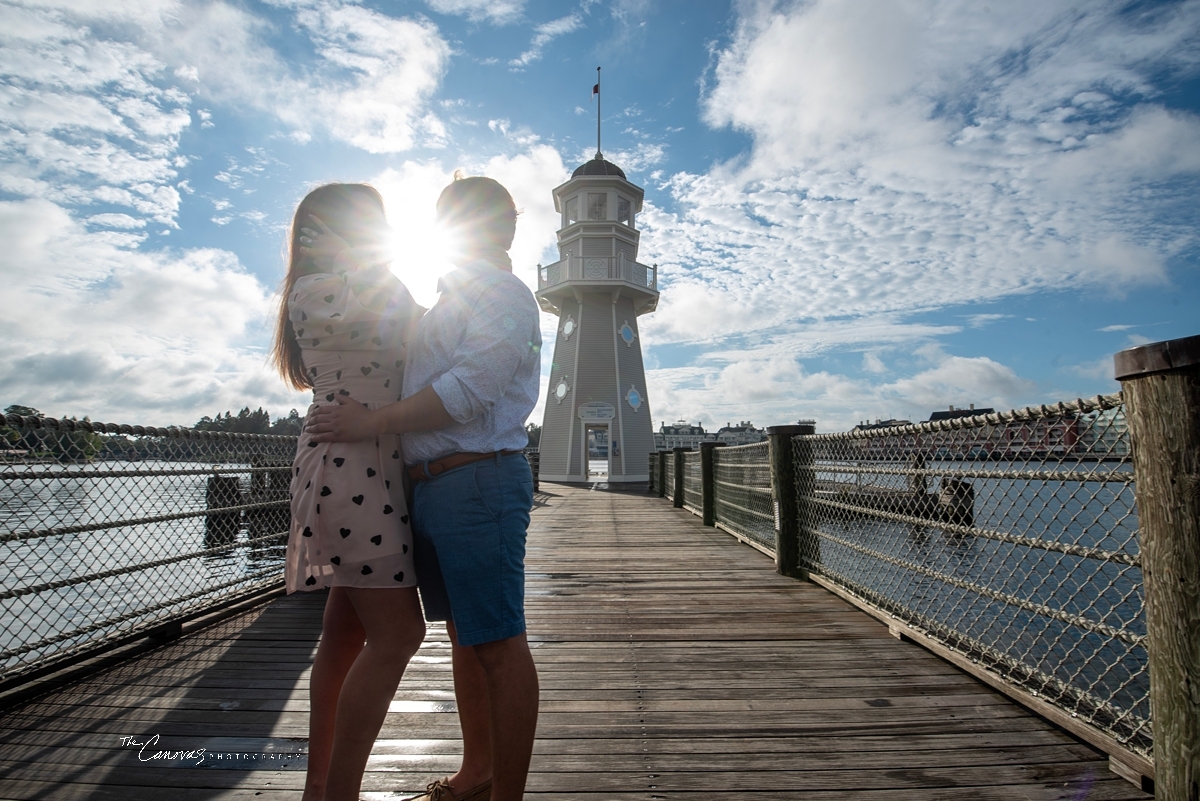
(498,12)
(389,69)
(900,162)
(778,389)
(871,363)
(543,35)
(123,221)
(86,121)
(914,156)
(164,337)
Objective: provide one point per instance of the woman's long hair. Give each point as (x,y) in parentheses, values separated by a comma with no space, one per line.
(355,212)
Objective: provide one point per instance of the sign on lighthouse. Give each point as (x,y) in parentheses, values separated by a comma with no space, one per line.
(598,290)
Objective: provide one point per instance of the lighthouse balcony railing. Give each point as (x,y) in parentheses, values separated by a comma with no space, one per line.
(599,269)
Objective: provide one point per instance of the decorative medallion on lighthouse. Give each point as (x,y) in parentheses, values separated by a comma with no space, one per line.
(598,290)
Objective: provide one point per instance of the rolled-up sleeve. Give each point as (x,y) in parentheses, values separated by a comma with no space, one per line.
(499,338)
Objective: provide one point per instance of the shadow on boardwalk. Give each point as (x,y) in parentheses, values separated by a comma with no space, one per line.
(674,662)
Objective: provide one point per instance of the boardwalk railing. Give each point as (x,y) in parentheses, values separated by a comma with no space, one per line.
(111,531)
(1008,542)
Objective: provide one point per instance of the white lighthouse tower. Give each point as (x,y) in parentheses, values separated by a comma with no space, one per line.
(598,289)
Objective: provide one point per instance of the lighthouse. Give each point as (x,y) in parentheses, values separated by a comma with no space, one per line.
(596,407)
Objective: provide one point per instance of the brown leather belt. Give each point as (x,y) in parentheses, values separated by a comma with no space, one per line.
(439,466)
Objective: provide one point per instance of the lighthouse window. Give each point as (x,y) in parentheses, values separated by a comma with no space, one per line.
(597,206)
(623,211)
(572,210)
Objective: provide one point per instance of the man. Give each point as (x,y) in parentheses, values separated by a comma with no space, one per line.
(470,383)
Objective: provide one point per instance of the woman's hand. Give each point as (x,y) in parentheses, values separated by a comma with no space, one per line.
(349,421)
(321,244)
(330,253)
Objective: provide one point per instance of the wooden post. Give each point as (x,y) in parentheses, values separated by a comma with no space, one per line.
(707,495)
(221,528)
(783,486)
(662,472)
(652,470)
(1160,383)
(678,468)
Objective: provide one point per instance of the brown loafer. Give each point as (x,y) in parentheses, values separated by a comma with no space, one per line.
(440,791)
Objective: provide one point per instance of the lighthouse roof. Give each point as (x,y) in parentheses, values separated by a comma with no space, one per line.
(598,166)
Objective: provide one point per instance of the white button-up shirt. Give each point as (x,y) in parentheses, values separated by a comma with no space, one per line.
(480,349)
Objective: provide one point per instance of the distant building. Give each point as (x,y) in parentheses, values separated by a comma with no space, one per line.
(744,433)
(598,443)
(681,435)
(867,425)
(1104,434)
(886,447)
(953,413)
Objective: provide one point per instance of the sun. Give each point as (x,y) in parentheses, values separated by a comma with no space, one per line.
(420,247)
(420,256)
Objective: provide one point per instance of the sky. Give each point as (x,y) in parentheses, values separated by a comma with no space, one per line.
(859,210)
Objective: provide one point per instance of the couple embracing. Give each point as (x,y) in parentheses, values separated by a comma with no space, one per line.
(434,402)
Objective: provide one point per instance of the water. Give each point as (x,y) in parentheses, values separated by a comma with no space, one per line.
(1090,514)
(62,502)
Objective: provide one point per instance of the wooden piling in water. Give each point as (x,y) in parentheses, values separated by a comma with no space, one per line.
(221,528)
(1160,383)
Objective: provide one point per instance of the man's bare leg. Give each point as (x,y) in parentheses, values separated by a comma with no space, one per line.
(474,716)
(512,686)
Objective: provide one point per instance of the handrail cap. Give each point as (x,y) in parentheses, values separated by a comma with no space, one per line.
(1156,357)
(791,430)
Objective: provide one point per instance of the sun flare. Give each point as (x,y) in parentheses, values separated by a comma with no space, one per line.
(420,247)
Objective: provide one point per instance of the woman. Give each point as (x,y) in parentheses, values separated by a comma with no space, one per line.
(343,322)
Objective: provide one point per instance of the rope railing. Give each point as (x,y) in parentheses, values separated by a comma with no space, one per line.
(108,531)
(1009,538)
(1016,531)
(693,500)
(742,501)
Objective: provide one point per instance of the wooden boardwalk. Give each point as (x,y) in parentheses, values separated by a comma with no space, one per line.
(674,662)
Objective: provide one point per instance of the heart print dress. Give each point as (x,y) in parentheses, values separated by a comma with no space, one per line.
(349,518)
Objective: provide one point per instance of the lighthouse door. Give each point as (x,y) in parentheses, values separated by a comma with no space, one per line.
(598,455)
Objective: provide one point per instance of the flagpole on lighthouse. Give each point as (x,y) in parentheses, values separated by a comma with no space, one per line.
(597,93)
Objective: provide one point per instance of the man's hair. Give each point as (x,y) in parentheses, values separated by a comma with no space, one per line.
(479,209)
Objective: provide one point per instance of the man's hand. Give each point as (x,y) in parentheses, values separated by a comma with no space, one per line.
(349,421)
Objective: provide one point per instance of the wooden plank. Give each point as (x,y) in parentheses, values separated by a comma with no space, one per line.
(674,664)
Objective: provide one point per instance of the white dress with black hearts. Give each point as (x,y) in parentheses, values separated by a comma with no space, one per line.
(349,518)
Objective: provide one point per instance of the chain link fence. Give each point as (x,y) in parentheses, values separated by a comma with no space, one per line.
(743,503)
(107,531)
(693,497)
(1010,538)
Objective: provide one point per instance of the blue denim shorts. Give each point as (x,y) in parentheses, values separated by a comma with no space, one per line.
(469,528)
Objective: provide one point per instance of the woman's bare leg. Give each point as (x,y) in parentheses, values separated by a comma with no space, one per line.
(342,638)
(395,629)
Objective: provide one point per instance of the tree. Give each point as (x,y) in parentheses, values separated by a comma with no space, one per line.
(291,425)
(244,422)
(24,411)
(535,435)
(63,445)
